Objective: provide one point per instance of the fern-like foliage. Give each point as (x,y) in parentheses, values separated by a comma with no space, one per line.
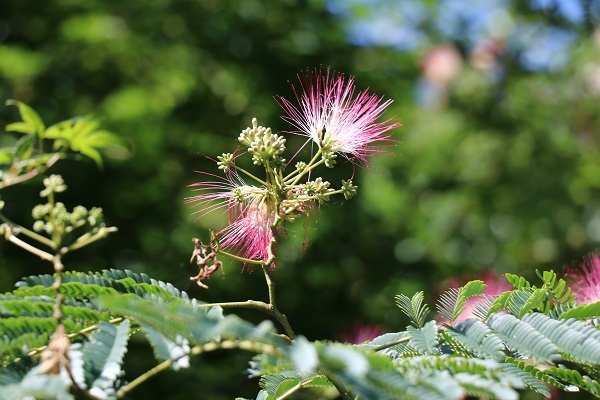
(524,339)
(26,319)
(414,308)
(452,302)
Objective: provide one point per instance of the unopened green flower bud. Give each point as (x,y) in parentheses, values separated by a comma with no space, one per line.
(318,188)
(1,204)
(48,228)
(300,166)
(79,213)
(278,162)
(59,212)
(95,216)
(40,211)
(53,184)
(225,161)
(266,146)
(248,135)
(348,189)
(329,158)
(38,226)
(237,195)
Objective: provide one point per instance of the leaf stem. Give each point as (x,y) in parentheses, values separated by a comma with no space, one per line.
(388,345)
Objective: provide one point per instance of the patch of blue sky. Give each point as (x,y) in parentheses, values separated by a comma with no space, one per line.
(382,32)
(382,22)
(402,24)
(543,48)
(571,10)
(468,21)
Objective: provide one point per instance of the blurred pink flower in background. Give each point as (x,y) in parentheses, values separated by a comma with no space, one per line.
(441,64)
(361,333)
(585,280)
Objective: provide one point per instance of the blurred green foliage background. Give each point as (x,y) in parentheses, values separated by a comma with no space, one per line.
(496,167)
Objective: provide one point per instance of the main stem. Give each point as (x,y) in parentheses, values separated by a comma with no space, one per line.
(273,306)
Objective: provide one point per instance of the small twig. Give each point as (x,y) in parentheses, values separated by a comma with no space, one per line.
(86,238)
(10,236)
(273,310)
(256,347)
(22,230)
(31,174)
(89,329)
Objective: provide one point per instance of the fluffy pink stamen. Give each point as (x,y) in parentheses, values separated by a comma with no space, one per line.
(329,106)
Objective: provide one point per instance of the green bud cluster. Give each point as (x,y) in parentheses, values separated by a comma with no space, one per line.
(53,184)
(225,161)
(264,145)
(51,218)
(329,158)
(319,189)
(348,189)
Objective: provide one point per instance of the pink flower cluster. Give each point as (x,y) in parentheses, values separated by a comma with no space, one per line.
(331,115)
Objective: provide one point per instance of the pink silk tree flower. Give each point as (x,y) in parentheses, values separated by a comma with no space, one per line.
(585,281)
(250,233)
(251,213)
(337,119)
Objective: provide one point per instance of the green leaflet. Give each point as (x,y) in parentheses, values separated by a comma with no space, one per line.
(414,308)
(524,338)
(283,384)
(424,339)
(452,303)
(583,312)
(167,349)
(103,354)
(478,338)
(575,338)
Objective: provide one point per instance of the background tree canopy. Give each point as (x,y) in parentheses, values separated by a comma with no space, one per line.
(496,166)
